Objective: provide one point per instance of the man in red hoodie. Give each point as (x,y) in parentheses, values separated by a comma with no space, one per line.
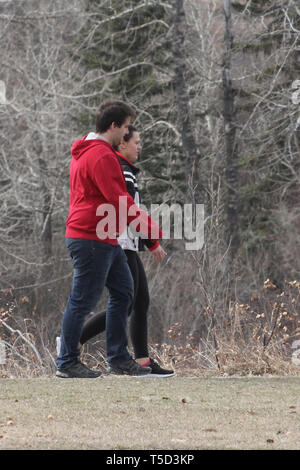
(99,209)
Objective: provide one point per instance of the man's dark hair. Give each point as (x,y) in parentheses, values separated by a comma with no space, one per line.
(131,130)
(112,111)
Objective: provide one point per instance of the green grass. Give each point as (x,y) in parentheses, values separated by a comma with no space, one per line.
(129,413)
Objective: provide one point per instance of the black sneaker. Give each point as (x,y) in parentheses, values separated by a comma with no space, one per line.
(159,372)
(129,367)
(78,371)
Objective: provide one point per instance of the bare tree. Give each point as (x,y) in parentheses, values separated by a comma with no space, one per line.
(40,75)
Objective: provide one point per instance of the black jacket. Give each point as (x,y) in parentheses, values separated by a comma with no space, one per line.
(130,172)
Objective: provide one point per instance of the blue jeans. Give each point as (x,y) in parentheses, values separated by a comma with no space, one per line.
(96,265)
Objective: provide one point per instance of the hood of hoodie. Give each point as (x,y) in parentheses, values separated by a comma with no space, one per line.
(87,142)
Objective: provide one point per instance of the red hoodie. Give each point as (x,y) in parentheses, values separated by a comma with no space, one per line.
(96,178)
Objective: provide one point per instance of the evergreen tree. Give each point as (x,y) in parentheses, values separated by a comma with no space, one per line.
(269,159)
(127,55)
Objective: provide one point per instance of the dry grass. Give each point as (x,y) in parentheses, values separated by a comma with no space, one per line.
(206,406)
(253,338)
(127,413)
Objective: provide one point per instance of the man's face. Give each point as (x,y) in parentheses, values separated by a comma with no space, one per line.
(119,132)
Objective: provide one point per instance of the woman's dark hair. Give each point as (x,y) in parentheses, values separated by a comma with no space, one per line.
(112,111)
(131,130)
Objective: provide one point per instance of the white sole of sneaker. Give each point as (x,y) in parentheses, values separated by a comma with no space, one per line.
(129,375)
(158,376)
(62,375)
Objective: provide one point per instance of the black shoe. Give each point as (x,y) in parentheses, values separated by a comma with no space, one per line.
(129,367)
(78,371)
(159,372)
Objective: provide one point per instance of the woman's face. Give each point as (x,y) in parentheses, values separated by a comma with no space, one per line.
(131,148)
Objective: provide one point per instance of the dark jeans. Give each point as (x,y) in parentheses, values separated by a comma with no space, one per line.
(138,325)
(96,265)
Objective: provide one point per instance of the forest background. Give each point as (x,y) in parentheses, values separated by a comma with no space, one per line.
(215,86)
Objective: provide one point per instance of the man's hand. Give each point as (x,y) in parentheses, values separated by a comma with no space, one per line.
(159,254)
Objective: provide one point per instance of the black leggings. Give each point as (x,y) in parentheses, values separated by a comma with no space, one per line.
(138,313)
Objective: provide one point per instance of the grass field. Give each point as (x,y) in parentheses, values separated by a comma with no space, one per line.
(128,413)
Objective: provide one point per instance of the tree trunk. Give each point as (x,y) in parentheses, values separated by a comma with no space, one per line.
(182,103)
(231,172)
(46,233)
